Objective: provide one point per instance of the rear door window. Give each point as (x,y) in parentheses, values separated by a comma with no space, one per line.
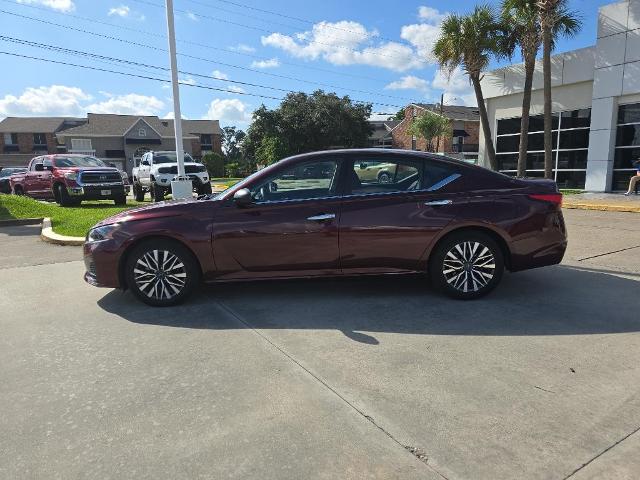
(370,175)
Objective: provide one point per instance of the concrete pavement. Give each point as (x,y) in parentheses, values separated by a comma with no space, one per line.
(364,378)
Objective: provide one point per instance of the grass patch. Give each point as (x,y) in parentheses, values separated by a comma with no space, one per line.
(229,182)
(71,221)
(571,192)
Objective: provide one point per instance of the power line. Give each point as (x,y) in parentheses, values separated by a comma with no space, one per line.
(144,77)
(138,44)
(251,27)
(144,65)
(188,42)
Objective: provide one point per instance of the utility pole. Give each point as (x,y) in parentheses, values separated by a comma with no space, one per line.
(181,186)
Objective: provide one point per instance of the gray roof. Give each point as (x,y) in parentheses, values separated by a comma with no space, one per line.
(33,124)
(454,112)
(118,125)
(382,128)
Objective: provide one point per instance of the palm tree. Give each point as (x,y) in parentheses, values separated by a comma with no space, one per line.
(555,20)
(469,41)
(430,126)
(522,25)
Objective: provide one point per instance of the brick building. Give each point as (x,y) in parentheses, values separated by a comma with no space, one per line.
(463,143)
(117,139)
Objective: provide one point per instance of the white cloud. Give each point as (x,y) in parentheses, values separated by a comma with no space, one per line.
(235,88)
(431,15)
(220,75)
(457,89)
(192,16)
(271,63)
(129,104)
(241,47)
(170,116)
(345,43)
(121,11)
(380,116)
(409,82)
(60,5)
(188,81)
(422,36)
(228,109)
(52,100)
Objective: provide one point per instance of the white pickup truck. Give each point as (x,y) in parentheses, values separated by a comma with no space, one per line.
(158,169)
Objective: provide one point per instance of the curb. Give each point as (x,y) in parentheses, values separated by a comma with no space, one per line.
(20,221)
(48,235)
(602,207)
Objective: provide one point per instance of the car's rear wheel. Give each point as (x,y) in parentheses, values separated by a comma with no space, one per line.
(157,193)
(138,192)
(161,272)
(466,265)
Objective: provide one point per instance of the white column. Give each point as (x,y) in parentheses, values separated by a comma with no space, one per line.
(182,187)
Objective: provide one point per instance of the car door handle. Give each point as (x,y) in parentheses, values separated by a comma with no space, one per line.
(438,203)
(322,218)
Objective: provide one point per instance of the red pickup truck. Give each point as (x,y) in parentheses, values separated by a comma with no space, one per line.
(70,179)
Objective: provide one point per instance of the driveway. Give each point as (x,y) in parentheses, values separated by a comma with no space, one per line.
(361,378)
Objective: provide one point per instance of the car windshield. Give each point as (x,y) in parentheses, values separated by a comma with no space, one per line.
(169,157)
(7,172)
(63,162)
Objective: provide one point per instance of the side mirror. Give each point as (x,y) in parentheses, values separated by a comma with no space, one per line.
(39,167)
(363,166)
(144,162)
(242,197)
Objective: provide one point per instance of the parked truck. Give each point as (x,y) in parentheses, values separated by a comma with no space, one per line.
(158,169)
(70,179)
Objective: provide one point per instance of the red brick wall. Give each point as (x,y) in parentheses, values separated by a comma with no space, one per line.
(403,139)
(25,142)
(196,149)
(217,143)
(52,143)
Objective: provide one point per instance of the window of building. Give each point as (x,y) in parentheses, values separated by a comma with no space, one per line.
(10,138)
(142,132)
(81,145)
(39,139)
(627,145)
(570,146)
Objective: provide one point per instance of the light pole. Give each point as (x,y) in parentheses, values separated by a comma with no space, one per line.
(181,186)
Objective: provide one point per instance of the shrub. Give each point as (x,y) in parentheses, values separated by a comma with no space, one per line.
(214,163)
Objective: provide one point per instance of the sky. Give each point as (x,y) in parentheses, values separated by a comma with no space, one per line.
(234,54)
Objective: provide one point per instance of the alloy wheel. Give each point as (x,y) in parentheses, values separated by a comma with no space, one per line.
(160,274)
(469,266)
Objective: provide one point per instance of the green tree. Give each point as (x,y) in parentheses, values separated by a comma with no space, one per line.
(556,20)
(270,150)
(521,22)
(430,126)
(399,116)
(232,138)
(469,41)
(305,123)
(214,163)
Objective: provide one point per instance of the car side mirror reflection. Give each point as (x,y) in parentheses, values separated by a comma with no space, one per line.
(242,197)
(363,166)
(144,162)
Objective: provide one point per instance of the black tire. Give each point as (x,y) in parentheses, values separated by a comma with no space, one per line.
(166,286)
(63,197)
(138,192)
(157,193)
(120,201)
(384,177)
(473,268)
(205,189)
(18,190)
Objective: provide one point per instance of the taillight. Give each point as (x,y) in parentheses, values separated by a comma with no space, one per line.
(555,198)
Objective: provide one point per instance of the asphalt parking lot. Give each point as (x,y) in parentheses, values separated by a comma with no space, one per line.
(336,379)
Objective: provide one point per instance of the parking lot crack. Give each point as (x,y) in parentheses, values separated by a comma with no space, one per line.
(416,452)
(608,253)
(601,453)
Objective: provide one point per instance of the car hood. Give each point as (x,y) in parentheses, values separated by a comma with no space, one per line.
(159,165)
(166,209)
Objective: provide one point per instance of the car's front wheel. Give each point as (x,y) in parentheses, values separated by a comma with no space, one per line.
(161,272)
(466,265)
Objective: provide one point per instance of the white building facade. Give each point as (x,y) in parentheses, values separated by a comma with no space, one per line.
(596,105)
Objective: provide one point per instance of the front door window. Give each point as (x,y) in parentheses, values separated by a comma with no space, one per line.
(299,182)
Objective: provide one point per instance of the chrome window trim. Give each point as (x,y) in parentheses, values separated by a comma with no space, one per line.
(444,182)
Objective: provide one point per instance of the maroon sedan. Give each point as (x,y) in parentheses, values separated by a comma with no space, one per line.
(322,213)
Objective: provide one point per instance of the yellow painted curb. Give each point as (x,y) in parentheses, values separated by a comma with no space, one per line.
(602,207)
(48,235)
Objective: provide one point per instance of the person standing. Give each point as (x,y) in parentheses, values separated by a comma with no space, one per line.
(635,179)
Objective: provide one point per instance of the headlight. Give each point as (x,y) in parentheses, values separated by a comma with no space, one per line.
(71,176)
(102,233)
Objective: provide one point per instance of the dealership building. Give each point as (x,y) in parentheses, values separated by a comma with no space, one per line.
(596,105)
